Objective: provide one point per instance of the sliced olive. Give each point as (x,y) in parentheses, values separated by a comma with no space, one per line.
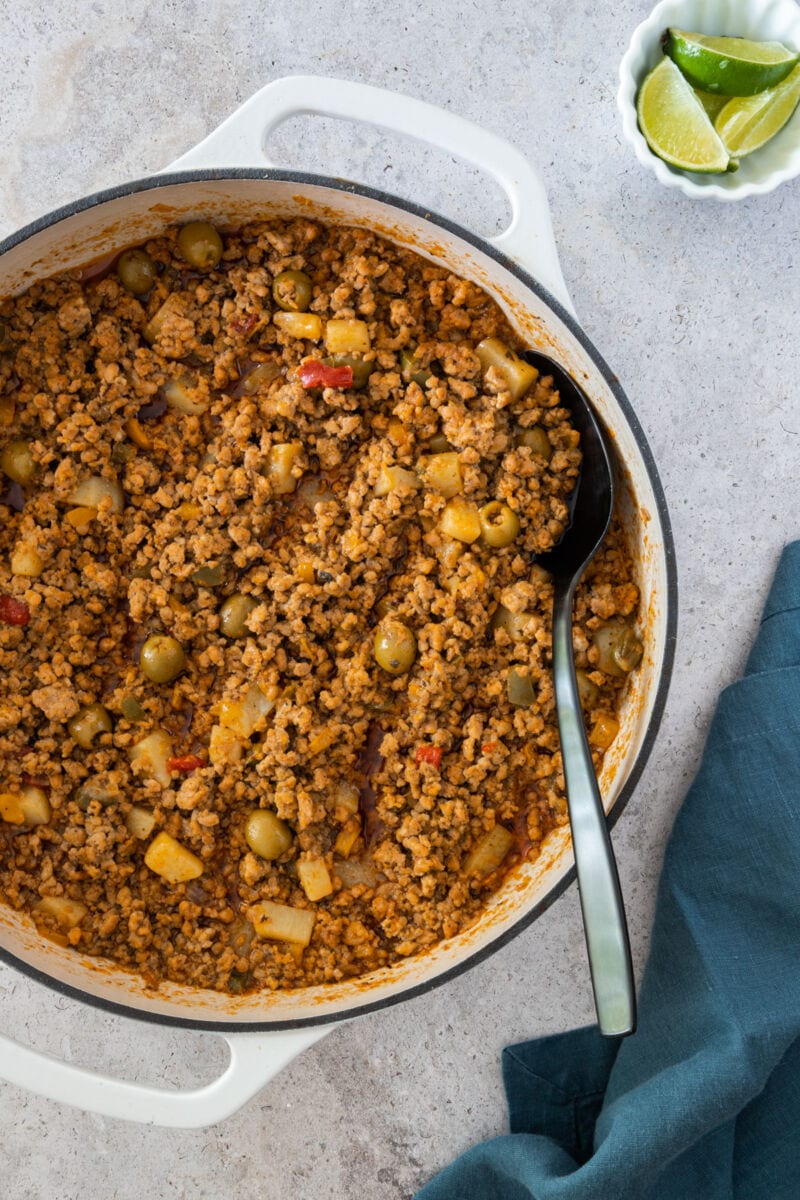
(291,291)
(96,789)
(536,440)
(209,577)
(200,245)
(361,370)
(499,524)
(413,371)
(395,646)
(234,613)
(88,723)
(618,649)
(162,658)
(137,271)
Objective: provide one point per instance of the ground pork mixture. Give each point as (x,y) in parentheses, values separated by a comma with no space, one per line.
(276,705)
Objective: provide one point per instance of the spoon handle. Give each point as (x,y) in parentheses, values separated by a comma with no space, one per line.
(598,883)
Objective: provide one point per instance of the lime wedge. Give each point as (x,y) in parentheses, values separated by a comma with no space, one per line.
(747,122)
(729,66)
(711,103)
(675,123)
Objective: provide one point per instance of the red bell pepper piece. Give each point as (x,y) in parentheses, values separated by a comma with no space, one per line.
(185,763)
(430,754)
(315,374)
(14,612)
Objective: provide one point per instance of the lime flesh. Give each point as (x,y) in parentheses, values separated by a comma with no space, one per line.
(746,123)
(730,66)
(675,124)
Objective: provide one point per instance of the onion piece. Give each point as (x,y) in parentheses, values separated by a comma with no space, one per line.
(91,492)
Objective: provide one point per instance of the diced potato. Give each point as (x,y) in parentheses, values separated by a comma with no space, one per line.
(489,851)
(224,747)
(347,336)
(460,520)
(81,518)
(315,879)
(140,822)
(26,561)
(65,912)
(347,837)
(279,467)
(281,923)
(151,754)
(516,625)
(347,798)
(353,872)
(449,552)
(519,376)
(396,479)
(35,806)
(91,492)
(441,472)
(299,324)
(178,395)
(604,730)
(168,858)
(243,716)
(11,808)
(304,571)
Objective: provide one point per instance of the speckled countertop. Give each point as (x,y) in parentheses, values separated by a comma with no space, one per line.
(694,304)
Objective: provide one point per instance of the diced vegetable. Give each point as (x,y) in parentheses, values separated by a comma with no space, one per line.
(449,552)
(346,797)
(35,806)
(588,690)
(304,571)
(224,747)
(429,754)
(489,851)
(518,375)
(347,336)
(132,710)
(168,858)
(81,518)
(243,716)
(460,520)
(140,822)
(209,577)
(99,789)
(280,468)
(396,479)
(520,689)
(260,377)
(281,923)
(321,740)
(11,808)
(13,612)
(603,731)
(65,912)
(185,763)
(92,492)
(347,837)
(536,439)
(178,395)
(516,625)
(315,879)
(16,461)
(152,755)
(441,472)
(360,367)
(266,834)
(618,649)
(314,374)
(172,305)
(410,369)
(26,561)
(299,325)
(88,723)
(354,872)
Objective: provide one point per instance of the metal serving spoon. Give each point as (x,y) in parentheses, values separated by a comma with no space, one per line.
(604,923)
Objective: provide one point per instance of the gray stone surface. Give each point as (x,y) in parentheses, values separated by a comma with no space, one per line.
(695,306)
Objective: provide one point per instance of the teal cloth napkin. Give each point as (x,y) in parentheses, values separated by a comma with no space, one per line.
(703,1102)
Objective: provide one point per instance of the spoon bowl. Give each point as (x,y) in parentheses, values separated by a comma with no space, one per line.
(591,508)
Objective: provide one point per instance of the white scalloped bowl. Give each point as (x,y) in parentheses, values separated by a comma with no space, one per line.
(761,20)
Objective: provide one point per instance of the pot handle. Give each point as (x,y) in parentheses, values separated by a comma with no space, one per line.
(254,1060)
(240,141)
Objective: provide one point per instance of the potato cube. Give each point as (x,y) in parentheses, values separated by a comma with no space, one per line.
(441,472)
(140,822)
(281,923)
(151,754)
(279,466)
(35,806)
(489,851)
(224,746)
(65,912)
(347,336)
(314,878)
(26,561)
(168,858)
(460,520)
(299,324)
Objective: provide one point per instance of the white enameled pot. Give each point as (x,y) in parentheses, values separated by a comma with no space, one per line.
(227,179)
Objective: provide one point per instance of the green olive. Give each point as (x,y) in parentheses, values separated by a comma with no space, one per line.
(499,524)
(162,658)
(88,723)
(361,370)
(266,834)
(97,789)
(209,577)
(587,689)
(395,646)
(137,271)
(132,710)
(618,649)
(411,370)
(536,440)
(234,613)
(291,291)
(16,461)
(200,245)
